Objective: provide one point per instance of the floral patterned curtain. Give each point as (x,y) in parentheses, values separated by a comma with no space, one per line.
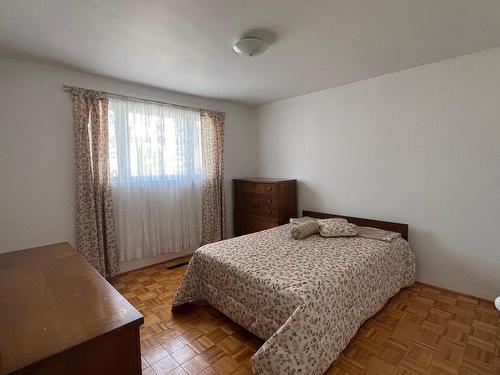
(95,231)
(213,205)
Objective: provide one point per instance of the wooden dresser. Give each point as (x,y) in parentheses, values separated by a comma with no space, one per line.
(59,316)
(263,203)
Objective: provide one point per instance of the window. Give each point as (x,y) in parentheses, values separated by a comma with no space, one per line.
(156,175)
(150,142)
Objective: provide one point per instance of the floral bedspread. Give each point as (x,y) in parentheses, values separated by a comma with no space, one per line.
(307,297)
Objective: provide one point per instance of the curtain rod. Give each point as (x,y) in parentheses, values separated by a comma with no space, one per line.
(112,94)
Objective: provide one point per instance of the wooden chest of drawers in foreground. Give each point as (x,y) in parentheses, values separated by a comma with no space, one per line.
(263,203)
(59,316)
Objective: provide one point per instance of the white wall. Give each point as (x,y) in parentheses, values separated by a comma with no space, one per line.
(421,146)
(36,148)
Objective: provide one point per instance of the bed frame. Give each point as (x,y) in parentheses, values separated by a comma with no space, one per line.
(386,225)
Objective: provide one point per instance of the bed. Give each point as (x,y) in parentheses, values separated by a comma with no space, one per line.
(306,298)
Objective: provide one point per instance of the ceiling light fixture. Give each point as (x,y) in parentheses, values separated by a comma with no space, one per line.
(250,46)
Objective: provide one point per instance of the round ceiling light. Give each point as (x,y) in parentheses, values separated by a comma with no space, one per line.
(250,46)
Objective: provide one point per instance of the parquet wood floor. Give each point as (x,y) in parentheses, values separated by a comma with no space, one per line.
(421,330)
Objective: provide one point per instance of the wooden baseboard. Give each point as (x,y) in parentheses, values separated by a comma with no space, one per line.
(178,262)
(152,265)
(453,291)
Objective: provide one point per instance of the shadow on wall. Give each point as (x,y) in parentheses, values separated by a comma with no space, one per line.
(443,264)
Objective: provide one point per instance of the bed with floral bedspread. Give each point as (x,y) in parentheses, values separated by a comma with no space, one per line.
(307,297)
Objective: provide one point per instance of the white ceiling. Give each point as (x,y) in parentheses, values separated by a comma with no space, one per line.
(185,45)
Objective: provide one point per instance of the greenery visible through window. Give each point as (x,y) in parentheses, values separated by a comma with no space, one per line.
(150,142)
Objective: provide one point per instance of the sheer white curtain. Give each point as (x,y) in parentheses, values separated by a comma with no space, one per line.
(155,167)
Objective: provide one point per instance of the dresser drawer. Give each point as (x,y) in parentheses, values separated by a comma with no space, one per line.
(258,188)
(257,204)
(245,224)
(262,203)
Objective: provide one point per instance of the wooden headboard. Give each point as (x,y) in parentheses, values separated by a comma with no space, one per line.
(386,225)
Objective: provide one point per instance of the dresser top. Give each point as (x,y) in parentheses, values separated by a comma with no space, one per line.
(52,300)
(262,180)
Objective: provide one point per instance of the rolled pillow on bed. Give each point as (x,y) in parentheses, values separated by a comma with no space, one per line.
(336,227)
(300,231)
